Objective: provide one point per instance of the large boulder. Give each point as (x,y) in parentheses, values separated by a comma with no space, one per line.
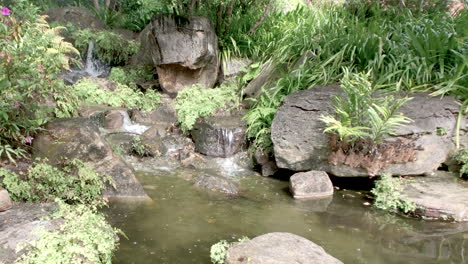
(300,144)
(20,225)
(278,248)
(219,136)
(78,16)
(184,51)
(5,200)
(310,185)
(78,138)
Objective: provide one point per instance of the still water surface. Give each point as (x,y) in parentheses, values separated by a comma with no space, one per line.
(182,222)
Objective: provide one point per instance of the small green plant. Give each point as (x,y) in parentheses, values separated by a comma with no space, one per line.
(462,159)
(88,91)
(83,237)
(196,101)
(74,182)
(129,76)
(388,192)
(362,114)
(139,148)
(110,47)
(218,251)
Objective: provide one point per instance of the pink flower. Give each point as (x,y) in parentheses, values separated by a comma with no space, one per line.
(5,11)
(28,140)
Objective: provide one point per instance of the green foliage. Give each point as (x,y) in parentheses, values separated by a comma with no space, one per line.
(88,91)
(74,182)
(110,47)
(196,102)
(83,237)
(139,148)
(462,159)
(361,114)
(129,76)
(32,55)
(387,193)
(218,251)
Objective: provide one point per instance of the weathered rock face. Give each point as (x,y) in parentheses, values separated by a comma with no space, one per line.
(219,136)
(185,52)
(444,197)
(113,120)
(19,225)
(78,138)
(162,143)
(164,115)
(78,16)
(217,184)
(311,185)
(301,145)
(267,76)
(5,201)
(234,66)
(278,248)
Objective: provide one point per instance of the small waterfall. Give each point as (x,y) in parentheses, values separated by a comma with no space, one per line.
(227,140)
(130,127)
(92,67)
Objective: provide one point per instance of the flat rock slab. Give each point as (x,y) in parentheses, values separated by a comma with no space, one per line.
(311,185)
(439,197)
(19,225)
(278,248)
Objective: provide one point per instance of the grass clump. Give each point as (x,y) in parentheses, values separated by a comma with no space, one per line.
(195,102)
(388,192)
(130,76)
(110,47)
(139,148)
(461,157)
(123,96)
(73,182)
(83,237)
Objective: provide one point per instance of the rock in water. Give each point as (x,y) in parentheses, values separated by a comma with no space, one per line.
(219,136)
(78,138)
(5,201)
(300,144)
(311,185)
(278,248)
(184,51)
(217,184)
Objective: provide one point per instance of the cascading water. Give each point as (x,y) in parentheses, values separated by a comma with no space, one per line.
(93,67)
(130,127)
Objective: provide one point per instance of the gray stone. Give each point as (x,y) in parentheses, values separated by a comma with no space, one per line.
(269,168)
(217,184)
(184,51)
(19,225)
(164,115)
(163,143)
(78,16)
(5,200)
(219,136)
(78,138)
(301,145)
(267,76)
(310,185)
(443,197)
(278,248)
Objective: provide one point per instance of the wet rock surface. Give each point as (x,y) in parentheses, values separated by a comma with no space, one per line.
(79,138)
(219,136)
(216,184)
(19,225)
(278,248)
(444,197)
(301,145)
(164,115)
(311,185)
(184,51)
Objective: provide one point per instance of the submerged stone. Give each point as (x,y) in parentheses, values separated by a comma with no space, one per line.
(217,184)
(278,248)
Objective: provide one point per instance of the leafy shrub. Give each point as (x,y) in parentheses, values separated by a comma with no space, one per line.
(196,101)
(131,75)
(462,158)
(75,182)
(83,237)
(387,193)
(139,148)
(110,47)
(88,91)
(218,251)
(32,55)
(362,114)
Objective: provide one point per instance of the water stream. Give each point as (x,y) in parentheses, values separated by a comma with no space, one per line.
(182,222)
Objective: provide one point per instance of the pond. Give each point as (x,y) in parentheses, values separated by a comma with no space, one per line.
(182,222)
